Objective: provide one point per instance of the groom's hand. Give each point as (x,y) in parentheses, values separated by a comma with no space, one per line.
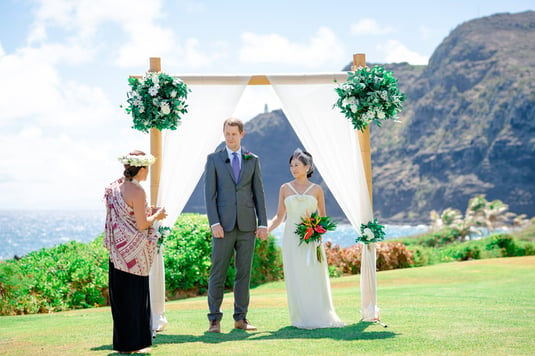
(262,233)
(217,231)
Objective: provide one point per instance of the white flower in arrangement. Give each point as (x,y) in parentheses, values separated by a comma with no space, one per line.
(380,114)
(346,87)
(153,91)
(369,234)
(137,102)
(350,101)
(173,94)
(165,108)
(141,109)
(384,95)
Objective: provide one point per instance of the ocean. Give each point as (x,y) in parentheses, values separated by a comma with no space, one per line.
(24,231)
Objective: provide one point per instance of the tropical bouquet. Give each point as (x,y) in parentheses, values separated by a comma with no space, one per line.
(157,100)
(311,228)
(371,232)
(369,95)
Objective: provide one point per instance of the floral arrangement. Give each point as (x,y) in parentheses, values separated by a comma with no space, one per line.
(247,156)
(164,232)
(137,160)
(369,95)
(311,228)
(371,232)
(157,101)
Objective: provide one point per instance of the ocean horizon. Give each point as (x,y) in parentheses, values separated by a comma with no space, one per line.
(25,231)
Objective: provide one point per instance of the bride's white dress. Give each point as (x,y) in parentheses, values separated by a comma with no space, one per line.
(307,280)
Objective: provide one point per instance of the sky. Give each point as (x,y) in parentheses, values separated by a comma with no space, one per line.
(64,66)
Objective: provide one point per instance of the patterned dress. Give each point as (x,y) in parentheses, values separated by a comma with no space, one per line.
(131,254)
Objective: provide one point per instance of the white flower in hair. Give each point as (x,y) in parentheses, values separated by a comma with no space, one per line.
(137,160)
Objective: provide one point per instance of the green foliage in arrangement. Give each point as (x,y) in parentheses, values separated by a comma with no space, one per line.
(69,276)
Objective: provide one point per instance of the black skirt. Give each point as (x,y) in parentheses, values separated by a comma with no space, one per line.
(130,308)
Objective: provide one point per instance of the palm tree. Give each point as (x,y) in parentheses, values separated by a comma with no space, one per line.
(479,213)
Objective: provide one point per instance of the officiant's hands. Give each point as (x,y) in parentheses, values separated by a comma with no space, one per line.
(158,212)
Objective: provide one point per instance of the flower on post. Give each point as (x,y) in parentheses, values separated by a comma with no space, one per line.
(156,101)
(369,95)
(371,232)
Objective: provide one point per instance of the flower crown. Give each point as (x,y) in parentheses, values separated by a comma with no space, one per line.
(137,160)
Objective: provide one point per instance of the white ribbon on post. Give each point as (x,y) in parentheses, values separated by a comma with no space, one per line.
(369,310)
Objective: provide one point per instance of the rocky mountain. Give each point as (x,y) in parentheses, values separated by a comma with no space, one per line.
(468,127)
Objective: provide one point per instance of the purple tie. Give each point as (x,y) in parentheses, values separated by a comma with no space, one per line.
(235,166)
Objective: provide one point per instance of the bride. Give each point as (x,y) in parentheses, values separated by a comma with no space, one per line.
(307,280)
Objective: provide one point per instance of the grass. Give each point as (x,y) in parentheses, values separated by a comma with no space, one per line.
(480,307)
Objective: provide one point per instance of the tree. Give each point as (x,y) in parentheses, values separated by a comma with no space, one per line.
(479,213)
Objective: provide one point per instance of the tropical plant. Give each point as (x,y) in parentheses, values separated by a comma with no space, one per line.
(479,213)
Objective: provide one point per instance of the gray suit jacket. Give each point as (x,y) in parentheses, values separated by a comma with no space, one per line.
(234,204)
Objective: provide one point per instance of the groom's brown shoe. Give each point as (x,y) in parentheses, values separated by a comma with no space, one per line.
(215,327)
(244,325)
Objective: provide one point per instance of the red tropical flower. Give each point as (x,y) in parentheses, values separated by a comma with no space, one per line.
(308,233)
(320,229)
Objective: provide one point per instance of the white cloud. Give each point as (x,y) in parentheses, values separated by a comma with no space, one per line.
(367,27)
(29,86)
(395,52)
(57,170)
(323,48)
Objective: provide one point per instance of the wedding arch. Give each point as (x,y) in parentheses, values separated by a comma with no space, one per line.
(341,154)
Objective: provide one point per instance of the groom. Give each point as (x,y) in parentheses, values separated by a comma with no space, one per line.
(234,196)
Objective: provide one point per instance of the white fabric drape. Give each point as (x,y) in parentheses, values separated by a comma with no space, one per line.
(331,140)
(368,298)
(333,143)
(184,155)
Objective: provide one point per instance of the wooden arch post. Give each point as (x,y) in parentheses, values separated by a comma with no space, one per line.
(155,145)
(359,60)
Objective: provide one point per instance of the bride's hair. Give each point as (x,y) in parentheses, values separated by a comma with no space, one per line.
(305,158)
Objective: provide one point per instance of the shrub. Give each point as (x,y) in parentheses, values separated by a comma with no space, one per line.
(267,262)
(389,255)
(187,259)
(75,275)
(69,276)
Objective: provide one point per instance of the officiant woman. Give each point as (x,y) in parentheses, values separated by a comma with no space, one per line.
(131,240)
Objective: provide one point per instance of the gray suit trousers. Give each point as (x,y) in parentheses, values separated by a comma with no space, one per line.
(242,245)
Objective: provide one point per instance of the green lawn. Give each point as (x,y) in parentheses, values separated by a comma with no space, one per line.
(482,307)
